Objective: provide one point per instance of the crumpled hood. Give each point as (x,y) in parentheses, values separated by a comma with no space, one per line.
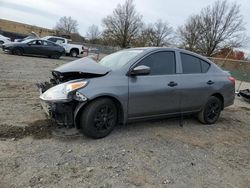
(83,65)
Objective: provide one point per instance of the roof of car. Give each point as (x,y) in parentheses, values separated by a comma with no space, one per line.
(149,49)
(54,37)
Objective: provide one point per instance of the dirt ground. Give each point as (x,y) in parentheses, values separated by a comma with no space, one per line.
(146,154)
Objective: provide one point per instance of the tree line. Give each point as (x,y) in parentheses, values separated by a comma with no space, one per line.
(215,27)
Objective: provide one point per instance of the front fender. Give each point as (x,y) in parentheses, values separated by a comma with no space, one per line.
(82,105)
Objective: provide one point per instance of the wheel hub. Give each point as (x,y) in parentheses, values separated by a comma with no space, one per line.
(104,118)
(213,111)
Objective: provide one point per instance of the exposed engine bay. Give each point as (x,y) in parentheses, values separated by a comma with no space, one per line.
(78,69)
(58,78)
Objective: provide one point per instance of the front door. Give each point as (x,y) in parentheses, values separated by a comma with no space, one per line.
(34,47)
(158,92)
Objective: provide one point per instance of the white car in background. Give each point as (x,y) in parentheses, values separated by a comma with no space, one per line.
(4,40)
(71,49)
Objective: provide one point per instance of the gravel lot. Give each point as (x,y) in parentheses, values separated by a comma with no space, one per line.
(147,154)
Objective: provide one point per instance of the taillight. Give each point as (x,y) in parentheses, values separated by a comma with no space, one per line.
(232,79)
(82,48)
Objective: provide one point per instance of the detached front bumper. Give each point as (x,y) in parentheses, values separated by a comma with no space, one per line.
(61,113)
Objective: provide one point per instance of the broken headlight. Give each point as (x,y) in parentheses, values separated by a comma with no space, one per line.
(60,92)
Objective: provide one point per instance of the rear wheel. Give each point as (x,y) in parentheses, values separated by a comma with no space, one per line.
(73,53)
(99,118)
(17,51)
(211,111)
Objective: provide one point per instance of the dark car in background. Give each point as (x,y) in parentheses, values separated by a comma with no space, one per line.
(136,84)
(34,47)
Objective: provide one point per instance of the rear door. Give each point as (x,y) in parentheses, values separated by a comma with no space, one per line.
(196,83)
(156,93)
(59,41)
(30,48)
(48,48)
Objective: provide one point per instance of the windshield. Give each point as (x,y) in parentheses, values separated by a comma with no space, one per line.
(27,40)
(118,59)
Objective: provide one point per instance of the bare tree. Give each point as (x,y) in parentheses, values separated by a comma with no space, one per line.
(93,33)
(162,33)
(123,26)
(190,33)
(145,36)
(67,25)
(218,26)
(157,34)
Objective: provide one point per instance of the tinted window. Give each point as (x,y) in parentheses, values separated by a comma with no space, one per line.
(59,41)
(35,42)
(52,39)
(204,66)
(46,43)
(192,64)
(160,63)
(32,42)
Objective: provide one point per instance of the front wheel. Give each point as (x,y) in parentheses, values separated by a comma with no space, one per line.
(17,51)
(55,56)
(99,118)
(211,111)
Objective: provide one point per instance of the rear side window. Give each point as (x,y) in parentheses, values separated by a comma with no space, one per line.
(204,66)
(160,63)
(57,40)
(192,64)
(46,43)
(52,39)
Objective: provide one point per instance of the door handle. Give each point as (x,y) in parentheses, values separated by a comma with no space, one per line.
(210,82)
(172,84)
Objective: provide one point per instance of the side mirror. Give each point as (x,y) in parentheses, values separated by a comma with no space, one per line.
(140,70)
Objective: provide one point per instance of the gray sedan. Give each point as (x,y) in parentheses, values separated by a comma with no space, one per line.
(34,47)
(136,84)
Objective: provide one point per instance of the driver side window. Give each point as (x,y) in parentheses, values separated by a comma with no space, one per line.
(32,42)
(35,42)
(160,63)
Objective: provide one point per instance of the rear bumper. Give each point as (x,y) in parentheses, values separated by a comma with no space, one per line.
(229,98)
(61,113)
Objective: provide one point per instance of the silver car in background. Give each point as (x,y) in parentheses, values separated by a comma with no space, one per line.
(136,84)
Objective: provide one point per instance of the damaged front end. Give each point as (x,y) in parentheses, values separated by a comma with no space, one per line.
(60,101)
(60,96)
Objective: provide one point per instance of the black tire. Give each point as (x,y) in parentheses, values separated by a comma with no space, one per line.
(73,53)
(211,111)
(17,51)
(55,56)
(99,118)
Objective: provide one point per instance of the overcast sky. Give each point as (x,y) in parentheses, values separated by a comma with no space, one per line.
(46,13)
